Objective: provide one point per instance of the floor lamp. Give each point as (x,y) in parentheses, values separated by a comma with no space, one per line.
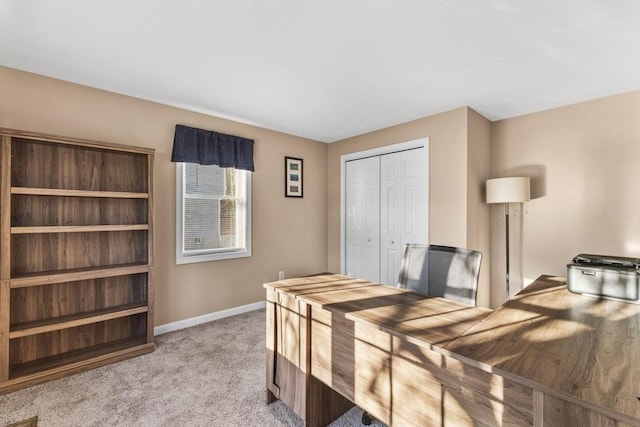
(508,190)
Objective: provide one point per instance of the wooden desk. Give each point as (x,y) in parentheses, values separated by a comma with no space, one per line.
(580,355)
(547,357)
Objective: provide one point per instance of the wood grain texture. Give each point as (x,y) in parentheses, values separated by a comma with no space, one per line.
(5,207)
(333,351)
(43,326)
(403,384)
(53,253)
(317,284)
(483,398)
(59,139)
(417,395)
(288,356)
(51,211)
(5,301)
(56,300)
(76,237)
(151,282)
(39,164)
(333,404)
(77,228)
(273,391)
(372,367)
(271,308)
(352,296)
(290,325)
(150,290)
(560,413)
(73,275)
(88,359)
(421,319)
(5,254)
(289,376)
(562,342)
(150,213)
(397,311)
(546,358)
(465,395)
(35,352)
(77,193)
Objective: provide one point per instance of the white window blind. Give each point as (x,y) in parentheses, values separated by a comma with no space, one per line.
(214,215)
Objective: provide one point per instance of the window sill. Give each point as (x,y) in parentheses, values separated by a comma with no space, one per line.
(181,259)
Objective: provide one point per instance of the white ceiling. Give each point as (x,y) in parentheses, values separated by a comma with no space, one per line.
(328,70)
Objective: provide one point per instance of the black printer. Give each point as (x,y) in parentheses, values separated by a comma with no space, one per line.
(608,277)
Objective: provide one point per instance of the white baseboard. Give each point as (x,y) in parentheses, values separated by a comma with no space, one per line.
(198,320)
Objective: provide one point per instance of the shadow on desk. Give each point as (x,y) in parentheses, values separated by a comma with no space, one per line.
(547,357)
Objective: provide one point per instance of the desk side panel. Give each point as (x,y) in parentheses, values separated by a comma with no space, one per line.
(373,371)
(560,413)
(332,351)
(288,358)
(286,352)
(432,389)
(352,359)
(273,391)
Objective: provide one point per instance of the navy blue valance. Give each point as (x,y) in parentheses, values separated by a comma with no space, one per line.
(205,147)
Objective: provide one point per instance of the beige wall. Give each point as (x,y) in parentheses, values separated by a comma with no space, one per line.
(456,218)
(584,162)
(288,234)
(478,171)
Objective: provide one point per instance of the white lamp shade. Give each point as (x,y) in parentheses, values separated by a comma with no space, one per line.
(508,190)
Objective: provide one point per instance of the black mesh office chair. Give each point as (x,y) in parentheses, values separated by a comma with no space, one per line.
(439,271)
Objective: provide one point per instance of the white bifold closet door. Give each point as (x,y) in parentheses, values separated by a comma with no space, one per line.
(386,207)
(363,218)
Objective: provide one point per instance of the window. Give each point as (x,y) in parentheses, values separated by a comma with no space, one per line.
(213,213)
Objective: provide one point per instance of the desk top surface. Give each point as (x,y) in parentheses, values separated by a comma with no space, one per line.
(546,336)
(420,319)
(582,346)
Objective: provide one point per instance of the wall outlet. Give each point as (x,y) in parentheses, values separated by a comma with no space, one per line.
(281,275)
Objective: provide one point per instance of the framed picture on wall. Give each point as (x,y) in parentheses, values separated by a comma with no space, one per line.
(292,177)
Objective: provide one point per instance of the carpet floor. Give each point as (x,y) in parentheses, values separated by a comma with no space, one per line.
(211,375)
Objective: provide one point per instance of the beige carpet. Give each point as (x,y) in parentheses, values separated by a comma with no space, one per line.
(206,376)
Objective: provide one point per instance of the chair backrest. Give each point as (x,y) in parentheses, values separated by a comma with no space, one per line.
(442,271)
(414,271)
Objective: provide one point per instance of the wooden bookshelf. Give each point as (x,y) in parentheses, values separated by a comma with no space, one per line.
(76,255)
(77,360)
(77,193)
(71,321)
